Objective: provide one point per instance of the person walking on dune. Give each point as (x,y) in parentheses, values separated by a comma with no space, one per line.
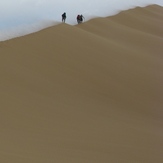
(64,17)
(80,19)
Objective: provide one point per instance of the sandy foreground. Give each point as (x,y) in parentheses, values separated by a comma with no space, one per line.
(90,93)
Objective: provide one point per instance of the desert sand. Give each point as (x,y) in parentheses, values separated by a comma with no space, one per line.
(90,93)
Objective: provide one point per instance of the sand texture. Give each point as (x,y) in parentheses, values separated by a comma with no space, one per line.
(90,93)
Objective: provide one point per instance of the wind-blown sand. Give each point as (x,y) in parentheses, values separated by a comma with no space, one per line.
(90,93)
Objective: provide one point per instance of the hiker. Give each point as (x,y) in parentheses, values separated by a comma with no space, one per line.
(64,17)
(80,19)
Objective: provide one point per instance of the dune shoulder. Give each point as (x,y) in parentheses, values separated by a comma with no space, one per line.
(86,93)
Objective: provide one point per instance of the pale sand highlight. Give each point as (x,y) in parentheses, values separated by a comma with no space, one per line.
(90,93)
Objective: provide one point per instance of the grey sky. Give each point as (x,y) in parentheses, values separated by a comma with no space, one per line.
(17,13)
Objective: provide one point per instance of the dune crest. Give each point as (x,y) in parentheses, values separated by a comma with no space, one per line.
(86,93)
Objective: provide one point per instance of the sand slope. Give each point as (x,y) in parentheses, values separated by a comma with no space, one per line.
(90,93)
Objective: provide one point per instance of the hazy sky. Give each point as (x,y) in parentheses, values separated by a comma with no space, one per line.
(21,13)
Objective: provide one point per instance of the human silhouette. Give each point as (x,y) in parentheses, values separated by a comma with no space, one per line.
(64,17)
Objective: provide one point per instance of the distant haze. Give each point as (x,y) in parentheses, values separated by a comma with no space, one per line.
(19,17)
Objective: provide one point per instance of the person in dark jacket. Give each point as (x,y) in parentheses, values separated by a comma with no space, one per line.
(64,17)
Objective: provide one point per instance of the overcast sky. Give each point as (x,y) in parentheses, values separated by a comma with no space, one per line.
(21,13)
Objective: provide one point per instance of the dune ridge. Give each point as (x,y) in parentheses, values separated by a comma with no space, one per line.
(86,93)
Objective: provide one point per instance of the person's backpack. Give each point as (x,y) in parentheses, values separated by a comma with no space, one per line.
(64,15)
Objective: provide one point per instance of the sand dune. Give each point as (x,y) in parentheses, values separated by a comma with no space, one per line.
(90,93)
